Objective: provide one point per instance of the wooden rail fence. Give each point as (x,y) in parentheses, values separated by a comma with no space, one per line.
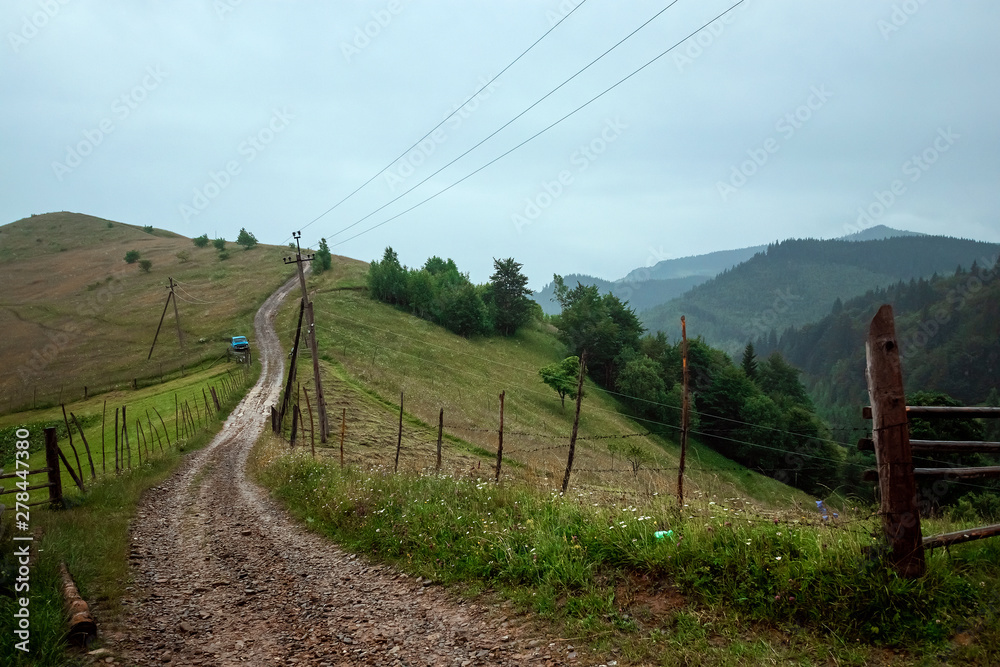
(896,475)
(51,469)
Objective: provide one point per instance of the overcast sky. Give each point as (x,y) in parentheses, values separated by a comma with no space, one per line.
(785,119)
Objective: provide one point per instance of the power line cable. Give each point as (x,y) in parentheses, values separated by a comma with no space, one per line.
(505,125)
(443,120)
(540,132)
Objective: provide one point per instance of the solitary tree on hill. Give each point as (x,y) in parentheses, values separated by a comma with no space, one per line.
(509,296)
(562,376)
(246,239)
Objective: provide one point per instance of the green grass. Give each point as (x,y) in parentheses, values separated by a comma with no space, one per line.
(730,586)
(84,318)
(91,535)
(372,352)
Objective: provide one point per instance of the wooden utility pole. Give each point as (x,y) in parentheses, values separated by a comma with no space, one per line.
(500,443)
(685,413)
(576,421)
(291,369)
(180,338)
(311,320)
(893,456)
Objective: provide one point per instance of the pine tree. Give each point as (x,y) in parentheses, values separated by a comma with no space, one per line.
(749,362)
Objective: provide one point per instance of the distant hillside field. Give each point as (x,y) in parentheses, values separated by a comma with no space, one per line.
(74,314)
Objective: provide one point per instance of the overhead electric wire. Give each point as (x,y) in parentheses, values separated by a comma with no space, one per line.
(505,125)
(443,120)
(546,129)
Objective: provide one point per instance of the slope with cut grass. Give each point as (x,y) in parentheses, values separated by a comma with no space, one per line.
(75,314)
(373,352)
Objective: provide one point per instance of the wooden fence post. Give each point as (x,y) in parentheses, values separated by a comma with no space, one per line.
(295,425)
(343,432)
(500,439)
(891,435)
(399,437)
(685,413)
(52,463)
(312,425)
(165,433)
(437,467)
(69,432)
(576,421)
(125,441)
(104,455)
(86,446)
(116,441)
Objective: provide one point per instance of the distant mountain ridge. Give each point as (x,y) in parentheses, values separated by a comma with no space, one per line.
(647,287)
(795,282)
(641,295)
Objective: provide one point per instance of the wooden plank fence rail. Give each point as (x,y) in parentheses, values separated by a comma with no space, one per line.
(895,472)
(51,470)
(940,446)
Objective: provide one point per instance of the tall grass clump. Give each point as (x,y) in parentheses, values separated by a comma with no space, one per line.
(567,557)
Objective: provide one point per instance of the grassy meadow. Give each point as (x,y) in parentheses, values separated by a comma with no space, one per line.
(746,571)
(75,315)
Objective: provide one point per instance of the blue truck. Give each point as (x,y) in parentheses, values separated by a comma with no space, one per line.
(240,348)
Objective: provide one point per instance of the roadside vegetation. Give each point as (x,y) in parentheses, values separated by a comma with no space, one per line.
(91,535)
(720,581)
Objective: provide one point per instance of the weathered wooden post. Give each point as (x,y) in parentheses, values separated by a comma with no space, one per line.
(437,467)
(399,437)
(576,421)
(343,432)
(500,441)
(685,413)
(52,463)
(891,436)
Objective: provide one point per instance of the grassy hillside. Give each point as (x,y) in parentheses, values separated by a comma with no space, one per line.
(749,573)
(74,314)
(374,351)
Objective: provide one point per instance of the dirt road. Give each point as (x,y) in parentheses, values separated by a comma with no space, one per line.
(224,577)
